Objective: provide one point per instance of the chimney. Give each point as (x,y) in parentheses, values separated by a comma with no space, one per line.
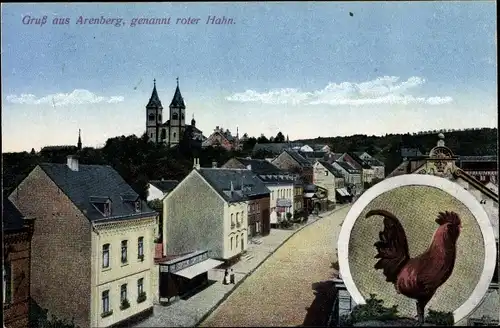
(196,164)
(214,165)
(249,167)
(72,162)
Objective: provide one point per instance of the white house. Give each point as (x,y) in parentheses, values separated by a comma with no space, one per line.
(326,176)
(158,189)
(306,149)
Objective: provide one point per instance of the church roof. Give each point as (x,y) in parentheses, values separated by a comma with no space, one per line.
(154,101)
(178,101)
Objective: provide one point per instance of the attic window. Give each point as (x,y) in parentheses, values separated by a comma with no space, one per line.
(137,206)
(102,204)
(107,209)
(326,172)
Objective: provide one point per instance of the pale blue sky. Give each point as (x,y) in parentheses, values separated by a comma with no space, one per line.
(306,69)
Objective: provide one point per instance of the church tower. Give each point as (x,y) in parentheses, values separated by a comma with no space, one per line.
(177,117)
(79,144)
(154,111)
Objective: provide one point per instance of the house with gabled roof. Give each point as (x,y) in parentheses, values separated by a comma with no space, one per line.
(279,182)
(352,177)
(329,178)
(292,161)
(93,232)
(208,210)
(223,138)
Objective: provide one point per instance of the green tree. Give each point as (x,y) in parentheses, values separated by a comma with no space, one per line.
(280,138)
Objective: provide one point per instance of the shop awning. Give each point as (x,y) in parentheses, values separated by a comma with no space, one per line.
(343,192)
(198,268)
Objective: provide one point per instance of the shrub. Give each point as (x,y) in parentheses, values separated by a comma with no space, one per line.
(373,310)
(439,318)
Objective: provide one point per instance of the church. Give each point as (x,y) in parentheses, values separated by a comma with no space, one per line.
(174,130)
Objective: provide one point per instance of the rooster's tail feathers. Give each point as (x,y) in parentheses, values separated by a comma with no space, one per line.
(392,246)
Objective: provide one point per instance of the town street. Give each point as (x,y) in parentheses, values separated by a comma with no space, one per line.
(282,289)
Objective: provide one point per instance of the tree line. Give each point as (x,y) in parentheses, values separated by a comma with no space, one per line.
(138,161)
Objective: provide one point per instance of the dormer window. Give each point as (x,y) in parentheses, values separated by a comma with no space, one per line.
(137,206)
(102,204)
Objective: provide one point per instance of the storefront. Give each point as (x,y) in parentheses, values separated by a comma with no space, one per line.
(343,196)
(185,274)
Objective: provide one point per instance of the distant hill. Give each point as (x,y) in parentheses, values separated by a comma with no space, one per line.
(469,142)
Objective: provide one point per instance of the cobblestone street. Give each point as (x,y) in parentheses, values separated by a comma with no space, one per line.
(280,291)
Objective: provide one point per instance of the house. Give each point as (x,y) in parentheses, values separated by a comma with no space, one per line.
(483,168)
(298,195)
(352,177)
(291,161)
(17,231)
(378,167)
(329,178)
(208,210)
(322,148)
(279,182)
(224,139)
(315,198)
(306,149)
(159,189)
(92,228)
(272,148)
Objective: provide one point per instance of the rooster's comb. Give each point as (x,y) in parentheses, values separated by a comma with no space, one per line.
(448,217)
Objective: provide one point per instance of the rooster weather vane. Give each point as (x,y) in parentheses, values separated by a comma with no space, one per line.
(419,277)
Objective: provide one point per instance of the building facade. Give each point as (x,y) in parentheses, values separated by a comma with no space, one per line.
(298,195)
(291,161)
(175,129)
(97,232)
(17,231)
(329,178)
(224,139)
(209,210)
(352,177)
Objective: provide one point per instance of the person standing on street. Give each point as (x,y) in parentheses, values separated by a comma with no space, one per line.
(232,277)
(226,278)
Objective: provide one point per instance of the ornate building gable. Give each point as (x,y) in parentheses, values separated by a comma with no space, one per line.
(440,162)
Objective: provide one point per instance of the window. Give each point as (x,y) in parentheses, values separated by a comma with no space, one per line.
(105,301)
(237,218)
(105,256)
(7,283)
(232,219)
(159,117)
(140,286)
(107,209)
(140,248)
(151,135)
(163,134)
(175,116)
(124,251)
(175,134)
(231,243)
(138,206)
(151,117)
(123,292)
(326,172)
(182,116)
(236,241)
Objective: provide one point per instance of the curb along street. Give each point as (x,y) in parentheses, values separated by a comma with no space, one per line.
(208,313)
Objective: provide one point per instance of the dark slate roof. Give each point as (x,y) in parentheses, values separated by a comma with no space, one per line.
(177,100)
(275,148)
(165,185)
(272,179)
(11,217)
(313,154)
(96,183)
(410,152)
(154,100)
(347,167)
(374,162)
(298,158)
(260,166)
(488,158)
(331,169)
(358,160)
(244,182)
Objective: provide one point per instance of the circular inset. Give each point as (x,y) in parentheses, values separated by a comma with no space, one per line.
(415,201)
